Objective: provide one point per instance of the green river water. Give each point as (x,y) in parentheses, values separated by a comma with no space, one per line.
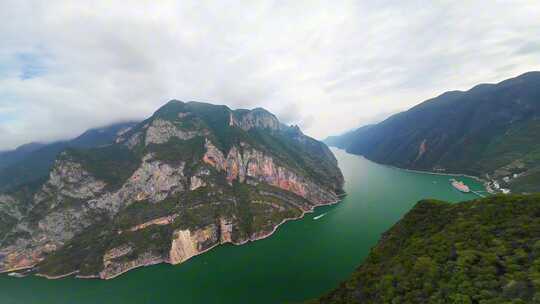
(303,259)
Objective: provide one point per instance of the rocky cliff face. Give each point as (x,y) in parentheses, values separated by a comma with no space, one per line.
(160,131)
(186,243)
(257,118)
(189,178)
(244,163)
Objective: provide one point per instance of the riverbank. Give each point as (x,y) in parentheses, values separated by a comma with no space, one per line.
(484,182)
(312,210)
(152,263)
(253,238)
(56,277)
(267,235)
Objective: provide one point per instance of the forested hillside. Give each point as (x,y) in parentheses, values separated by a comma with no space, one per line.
(482,251)
(491,129)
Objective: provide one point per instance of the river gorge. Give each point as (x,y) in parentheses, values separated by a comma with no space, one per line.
(302,259)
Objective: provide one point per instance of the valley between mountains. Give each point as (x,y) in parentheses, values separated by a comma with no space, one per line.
(194,176)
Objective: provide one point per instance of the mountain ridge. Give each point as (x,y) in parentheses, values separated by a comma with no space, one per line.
(188,178)
(8,157)
(32,162)
(488,131)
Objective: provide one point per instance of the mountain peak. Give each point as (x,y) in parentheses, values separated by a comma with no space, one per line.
(174,101)
(192,176)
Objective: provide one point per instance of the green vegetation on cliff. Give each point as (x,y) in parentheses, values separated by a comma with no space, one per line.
(484,251)
(113,164)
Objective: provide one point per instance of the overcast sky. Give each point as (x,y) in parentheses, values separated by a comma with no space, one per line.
(66,66)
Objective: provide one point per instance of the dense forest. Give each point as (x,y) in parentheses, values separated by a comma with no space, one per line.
(483,251)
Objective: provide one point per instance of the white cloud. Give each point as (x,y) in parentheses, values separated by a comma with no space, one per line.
(325,66)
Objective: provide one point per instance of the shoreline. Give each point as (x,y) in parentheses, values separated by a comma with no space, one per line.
(92,276)
(156,262)
(484,182)
(304,212)
(285,220)
(56,277)
(164,261)
(476,178)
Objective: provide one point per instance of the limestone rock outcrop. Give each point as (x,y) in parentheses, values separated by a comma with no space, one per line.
(246,162)
(189,178)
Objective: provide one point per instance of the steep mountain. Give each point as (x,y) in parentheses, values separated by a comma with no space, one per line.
(191,177)
(490,129)
(32,162)
(481,251)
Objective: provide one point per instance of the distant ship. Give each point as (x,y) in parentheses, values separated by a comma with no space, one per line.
(319,216)
(460,186)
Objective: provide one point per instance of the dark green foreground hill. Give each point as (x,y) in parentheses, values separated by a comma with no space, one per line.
(482,251)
